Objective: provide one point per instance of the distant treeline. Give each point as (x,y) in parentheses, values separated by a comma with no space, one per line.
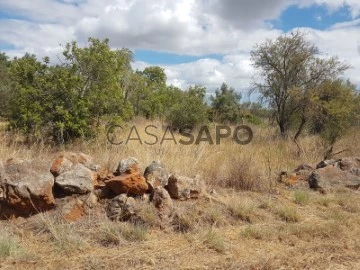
(95,85)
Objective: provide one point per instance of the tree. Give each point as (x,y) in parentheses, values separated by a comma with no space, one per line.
(291,69)
(334,107)
(150,97)
(226,104)
(67,101)
(190,109)
(101,73)
(5,89)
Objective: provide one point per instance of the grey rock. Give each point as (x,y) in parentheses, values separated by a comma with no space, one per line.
(162,201)
(121,208)
(77,180)
(184,188)
(156,175)
(26,186)
(127,166)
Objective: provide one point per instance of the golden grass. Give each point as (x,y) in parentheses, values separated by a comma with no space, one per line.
(254,223)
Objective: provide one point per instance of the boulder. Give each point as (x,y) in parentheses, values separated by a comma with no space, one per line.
(184,188)
(131,184)
(128,166)
(351,165)
(128,179)
(156,175)
(74,173)
(121,208)
(297,178)
(162,201)
(339,173)
(66,160)
(77,180)
(26,186)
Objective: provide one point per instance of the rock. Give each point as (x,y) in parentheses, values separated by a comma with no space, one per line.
(297,178)
(325,163)
(121,208)
(66,160)
(73,210)
(128,166)
(75,173)
(77,180)
(339,173)
(91,200)
(128,179)
(161,199)
(351,165)
(26,186)
(156,175)
(184,188)
(131,184)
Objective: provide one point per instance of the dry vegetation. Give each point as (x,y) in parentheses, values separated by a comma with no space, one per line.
(255,223)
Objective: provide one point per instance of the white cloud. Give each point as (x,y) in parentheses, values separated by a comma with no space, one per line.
(333,5)
(191,27)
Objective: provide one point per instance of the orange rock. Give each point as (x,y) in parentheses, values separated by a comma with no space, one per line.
(73,211)
(131,184)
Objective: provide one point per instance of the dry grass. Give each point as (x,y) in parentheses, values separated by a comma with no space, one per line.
(255,223)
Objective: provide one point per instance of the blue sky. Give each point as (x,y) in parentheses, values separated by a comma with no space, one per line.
(195,41)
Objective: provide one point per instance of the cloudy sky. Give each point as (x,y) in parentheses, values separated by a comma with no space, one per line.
(197,41)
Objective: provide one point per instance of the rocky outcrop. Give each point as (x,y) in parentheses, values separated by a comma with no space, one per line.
(184,188)
(156,175)
(128,180)
(26,186)
(74,173)
(336,173)
(298,178)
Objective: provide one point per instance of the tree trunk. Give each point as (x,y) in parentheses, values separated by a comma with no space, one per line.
(283,129)
(301,128)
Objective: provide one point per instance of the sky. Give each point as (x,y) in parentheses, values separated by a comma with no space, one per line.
(205,42)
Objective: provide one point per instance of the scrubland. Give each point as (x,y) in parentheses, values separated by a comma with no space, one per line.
(251,222)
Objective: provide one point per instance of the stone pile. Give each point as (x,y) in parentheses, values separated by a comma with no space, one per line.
(73,184)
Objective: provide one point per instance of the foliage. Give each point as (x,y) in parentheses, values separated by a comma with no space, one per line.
(5,90)
(334,108)
(226,105)
(290,70)
(190,109)
(65,101)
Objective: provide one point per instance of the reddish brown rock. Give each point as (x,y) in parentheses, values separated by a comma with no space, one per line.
(73,210)
(66,160)
(128,179)
(131,184)
(26,186)
(297,178)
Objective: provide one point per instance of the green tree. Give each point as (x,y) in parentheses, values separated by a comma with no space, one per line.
(68,101)
(5,87)
(101,73)
(154,91)
(190,110)
(27,110)
(226,105)
(334,107)
(291,69)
